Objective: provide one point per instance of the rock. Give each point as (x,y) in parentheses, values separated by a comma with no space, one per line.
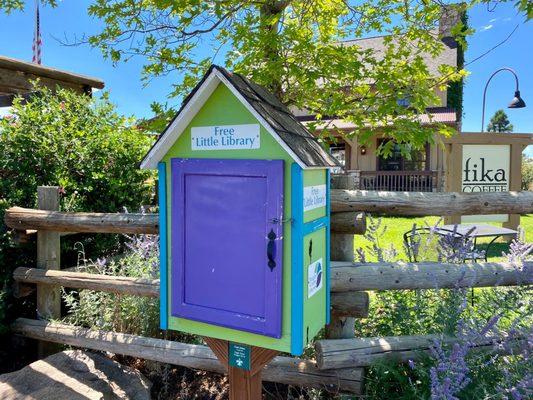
(75,375)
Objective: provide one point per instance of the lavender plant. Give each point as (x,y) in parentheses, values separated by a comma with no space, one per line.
(131,314)
(500,323)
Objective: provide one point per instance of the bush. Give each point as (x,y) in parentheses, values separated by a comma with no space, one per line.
(130,314)
(78,143)
(453,372)
(527,172)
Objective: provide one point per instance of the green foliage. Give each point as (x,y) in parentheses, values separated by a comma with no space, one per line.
(527,172)
(8,6)
(443,311)
(75,142)
(499,122)
(108,311)
(298,49)
(398,381)
(454,96)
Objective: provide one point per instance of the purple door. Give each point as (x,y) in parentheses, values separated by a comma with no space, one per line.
(227,243)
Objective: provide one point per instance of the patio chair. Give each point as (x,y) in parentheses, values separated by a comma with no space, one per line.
(426,244)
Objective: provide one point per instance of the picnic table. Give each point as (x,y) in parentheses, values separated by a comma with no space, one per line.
(479,231)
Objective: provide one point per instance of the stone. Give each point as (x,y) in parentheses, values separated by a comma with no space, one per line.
(75,375)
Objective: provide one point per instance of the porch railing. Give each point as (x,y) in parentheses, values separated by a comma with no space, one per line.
(399,181)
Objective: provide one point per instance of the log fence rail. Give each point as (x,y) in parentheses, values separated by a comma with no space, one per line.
(340,360)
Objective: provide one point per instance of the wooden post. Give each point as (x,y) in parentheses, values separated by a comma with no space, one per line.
(515,180)
(342,244)
(243,384)
(48,257)
(454,173)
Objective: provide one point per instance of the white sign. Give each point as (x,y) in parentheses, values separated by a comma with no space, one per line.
(314,197)
(486,168)
(225,137)
(315,277)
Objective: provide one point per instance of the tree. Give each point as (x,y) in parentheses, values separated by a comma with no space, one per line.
(300,50)
(499,123)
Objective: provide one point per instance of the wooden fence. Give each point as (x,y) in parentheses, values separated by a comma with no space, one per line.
(341,357)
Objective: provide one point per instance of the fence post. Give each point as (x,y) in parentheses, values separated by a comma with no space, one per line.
(48,257)
(341,250)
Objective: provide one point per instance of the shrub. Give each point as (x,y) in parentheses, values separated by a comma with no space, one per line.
(455,371)
(78,143)
(527,172)
(131,314)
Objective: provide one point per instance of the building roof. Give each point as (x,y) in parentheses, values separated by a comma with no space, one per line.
(7,63)
(294,137)
(17,76)
(377,43)
(433,115)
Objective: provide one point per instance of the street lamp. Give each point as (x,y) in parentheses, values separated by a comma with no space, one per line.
(517,101)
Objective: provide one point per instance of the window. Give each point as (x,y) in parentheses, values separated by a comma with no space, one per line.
(338,151)
(419,160)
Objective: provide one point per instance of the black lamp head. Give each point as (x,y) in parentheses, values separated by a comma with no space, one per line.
(517,101)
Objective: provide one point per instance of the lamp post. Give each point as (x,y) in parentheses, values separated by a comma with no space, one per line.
(517,101)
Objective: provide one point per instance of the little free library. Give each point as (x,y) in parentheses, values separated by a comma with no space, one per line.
(244,222)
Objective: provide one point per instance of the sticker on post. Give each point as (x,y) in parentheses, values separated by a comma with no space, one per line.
(239,356)
(314,197)
(314,277)
(225,137)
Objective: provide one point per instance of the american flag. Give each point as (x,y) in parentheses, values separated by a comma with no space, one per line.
(37,42)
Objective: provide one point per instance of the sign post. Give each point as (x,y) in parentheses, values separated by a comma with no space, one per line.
(243,364)
(485,162)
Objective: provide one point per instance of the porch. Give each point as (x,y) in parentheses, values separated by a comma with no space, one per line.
(399,181)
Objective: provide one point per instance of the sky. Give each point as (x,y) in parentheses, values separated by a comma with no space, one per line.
(70,20)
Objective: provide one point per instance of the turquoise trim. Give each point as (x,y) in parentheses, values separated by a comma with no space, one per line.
(315,225)
(328,262)
(297,273)
(163,253)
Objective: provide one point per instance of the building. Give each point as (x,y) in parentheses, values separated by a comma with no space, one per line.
(425,170)
(17,77)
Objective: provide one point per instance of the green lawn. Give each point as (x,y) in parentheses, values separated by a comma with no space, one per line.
(396,227)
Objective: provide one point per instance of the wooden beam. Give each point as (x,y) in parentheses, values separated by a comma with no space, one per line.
(431,203)
(81,280)
(363,352)
(345,304)
(350,222)
(25,218)
(347,276)
(287,370)
(350,304)
(23,68)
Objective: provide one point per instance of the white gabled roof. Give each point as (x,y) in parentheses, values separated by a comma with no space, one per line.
(294,138)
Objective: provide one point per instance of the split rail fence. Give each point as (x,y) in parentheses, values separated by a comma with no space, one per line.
(340,358)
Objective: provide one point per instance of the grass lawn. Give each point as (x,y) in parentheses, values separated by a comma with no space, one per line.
(396,227)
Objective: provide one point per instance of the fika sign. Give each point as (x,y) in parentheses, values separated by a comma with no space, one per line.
(486,168)
(225,137)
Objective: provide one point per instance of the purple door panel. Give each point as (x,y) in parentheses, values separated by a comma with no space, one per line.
(227,243)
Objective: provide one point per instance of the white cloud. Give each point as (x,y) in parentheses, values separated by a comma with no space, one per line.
(487,27)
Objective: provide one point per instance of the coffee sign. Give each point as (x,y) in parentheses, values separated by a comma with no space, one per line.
(486,168)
